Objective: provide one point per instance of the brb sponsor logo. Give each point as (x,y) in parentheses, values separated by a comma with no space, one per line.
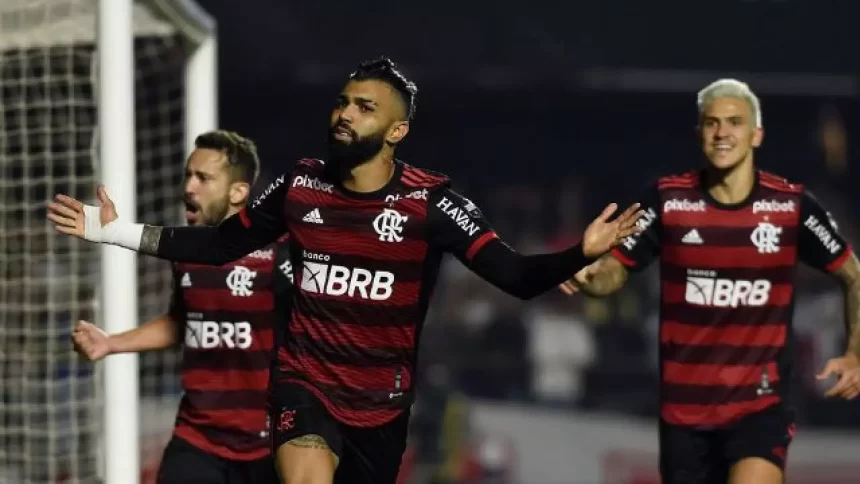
(207,335)
(704,288)
(643,223)
(773,206)
(684,205)
(824,233)
(313,183)
(321,277)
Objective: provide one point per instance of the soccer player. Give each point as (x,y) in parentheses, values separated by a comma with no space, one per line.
(227,317)
(728,238)
(367,235)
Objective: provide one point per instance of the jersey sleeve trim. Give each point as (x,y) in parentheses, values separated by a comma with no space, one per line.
(243,217)
(479,244)
(627,261)
(837,263)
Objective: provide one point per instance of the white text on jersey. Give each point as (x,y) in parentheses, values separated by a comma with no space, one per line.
(459,216)
(211,334)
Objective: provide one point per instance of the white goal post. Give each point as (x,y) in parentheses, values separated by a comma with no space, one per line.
(118,172)
(91,91)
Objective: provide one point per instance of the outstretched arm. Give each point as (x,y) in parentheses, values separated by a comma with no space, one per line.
(820,245)
(849,275)
(250,229)
(635,253)
(459,227)
(156,334)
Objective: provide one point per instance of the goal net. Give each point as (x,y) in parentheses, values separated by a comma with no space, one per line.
(51,405)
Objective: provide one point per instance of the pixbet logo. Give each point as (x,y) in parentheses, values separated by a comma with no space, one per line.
(211,334)
(313,183)
(684,205)
(773,206)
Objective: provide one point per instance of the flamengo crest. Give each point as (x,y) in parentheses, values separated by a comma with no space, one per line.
(389,225)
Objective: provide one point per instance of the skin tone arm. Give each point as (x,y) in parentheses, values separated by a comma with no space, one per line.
(847,367)
(156,334)
(599,279)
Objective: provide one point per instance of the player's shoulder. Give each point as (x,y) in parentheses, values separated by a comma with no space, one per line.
(688,179)
(774,182)
(418,178)
(308,166)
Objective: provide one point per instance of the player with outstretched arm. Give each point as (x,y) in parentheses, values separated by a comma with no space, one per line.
(728,238)
(227,318)
(367,235)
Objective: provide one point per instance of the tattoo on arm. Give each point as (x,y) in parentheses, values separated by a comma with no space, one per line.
(314,441)
(149,240)
(849,275)
(610,277)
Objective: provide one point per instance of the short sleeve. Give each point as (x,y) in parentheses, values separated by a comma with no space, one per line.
(638,251)
(819,243)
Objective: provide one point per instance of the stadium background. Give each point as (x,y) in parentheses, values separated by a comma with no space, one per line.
(541,113)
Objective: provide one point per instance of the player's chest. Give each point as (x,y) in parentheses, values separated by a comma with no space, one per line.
(229,286)
(764,234)
(392,221)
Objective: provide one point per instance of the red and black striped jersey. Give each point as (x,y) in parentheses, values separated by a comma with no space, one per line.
(727,290)
(231,316)
(366,265)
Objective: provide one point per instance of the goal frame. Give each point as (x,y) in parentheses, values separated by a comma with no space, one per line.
(117,172)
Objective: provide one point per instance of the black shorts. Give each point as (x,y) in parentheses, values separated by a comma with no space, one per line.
(184,463)
(367,455)
(692,456)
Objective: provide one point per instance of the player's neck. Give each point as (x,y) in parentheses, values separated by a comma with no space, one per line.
(732,186)
(372,175)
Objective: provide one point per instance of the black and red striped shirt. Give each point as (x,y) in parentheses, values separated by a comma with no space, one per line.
(727,291)
(366,266)
(231,315)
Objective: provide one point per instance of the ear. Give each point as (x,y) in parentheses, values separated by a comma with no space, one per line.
(239,192)
(397,132)
(758,137)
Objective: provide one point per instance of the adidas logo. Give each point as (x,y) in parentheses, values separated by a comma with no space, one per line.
(692,237)
(313,217)
(186,280)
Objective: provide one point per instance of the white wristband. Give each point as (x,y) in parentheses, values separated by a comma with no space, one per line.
(122,234)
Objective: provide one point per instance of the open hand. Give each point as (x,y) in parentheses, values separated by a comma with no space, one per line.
(848,370)
(602,235)
(90,341)
(72,217)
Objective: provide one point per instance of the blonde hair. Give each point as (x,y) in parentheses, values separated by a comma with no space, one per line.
(729,88)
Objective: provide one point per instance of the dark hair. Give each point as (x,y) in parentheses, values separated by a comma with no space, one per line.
(385,70)
(244,164)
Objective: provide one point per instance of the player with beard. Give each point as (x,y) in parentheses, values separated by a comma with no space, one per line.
(226,316)
(728,238)
(369,232)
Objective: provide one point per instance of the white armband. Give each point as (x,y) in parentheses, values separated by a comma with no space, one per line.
(119,233)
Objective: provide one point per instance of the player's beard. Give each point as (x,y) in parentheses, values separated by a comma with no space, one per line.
(343,156)
(214,213)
